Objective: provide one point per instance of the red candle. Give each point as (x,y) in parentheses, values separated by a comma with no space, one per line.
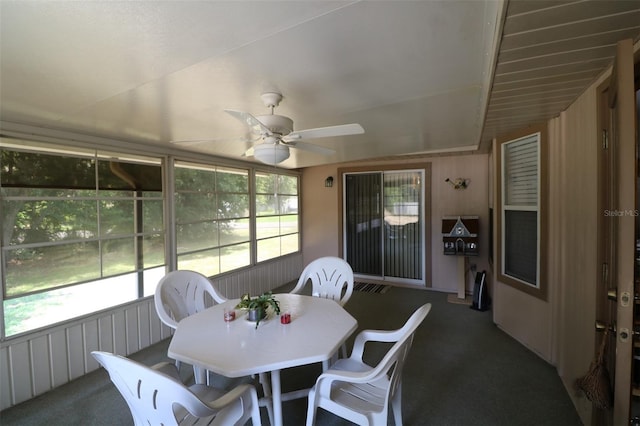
(285,318)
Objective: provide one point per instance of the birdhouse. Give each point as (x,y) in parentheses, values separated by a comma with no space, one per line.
(460,235)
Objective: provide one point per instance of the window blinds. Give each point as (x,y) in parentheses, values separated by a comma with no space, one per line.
(521,172)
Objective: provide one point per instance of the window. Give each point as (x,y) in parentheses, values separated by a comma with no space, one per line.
(212,218)
(277,222)
(521,218)
(85,230)
(81,231)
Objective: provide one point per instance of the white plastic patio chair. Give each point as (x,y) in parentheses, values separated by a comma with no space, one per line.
(156,396)
(183,293)
(361,393)
(331,277)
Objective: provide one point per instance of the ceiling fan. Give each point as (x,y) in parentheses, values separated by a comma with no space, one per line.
(277,134)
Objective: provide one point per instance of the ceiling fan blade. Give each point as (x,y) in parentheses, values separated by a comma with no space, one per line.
(254,124)
(247,139)
(311,148)
(248,153)
(191,141)
(325,132)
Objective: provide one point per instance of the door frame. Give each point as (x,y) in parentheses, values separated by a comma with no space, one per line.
(426,243)
(616,227)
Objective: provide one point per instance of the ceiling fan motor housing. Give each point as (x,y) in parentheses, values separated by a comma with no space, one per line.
(278,124)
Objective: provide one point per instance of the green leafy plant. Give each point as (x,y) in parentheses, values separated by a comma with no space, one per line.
(260,304)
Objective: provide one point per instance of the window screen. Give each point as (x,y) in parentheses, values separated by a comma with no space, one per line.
(520,224)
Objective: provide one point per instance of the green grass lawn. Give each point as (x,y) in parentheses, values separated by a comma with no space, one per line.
(57,269)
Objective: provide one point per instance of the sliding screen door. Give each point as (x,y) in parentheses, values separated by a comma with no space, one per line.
(384,224)
(363,220)
(402,241)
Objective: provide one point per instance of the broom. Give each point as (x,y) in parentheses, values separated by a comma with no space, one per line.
(596,383)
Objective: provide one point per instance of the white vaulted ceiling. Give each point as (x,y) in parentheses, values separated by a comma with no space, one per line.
(419,76)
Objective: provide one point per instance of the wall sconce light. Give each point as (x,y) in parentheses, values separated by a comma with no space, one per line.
(458,183)
(328,182)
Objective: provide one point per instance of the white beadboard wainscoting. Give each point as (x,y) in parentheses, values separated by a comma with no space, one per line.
(37,362)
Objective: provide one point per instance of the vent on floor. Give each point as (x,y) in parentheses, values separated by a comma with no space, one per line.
(370,288)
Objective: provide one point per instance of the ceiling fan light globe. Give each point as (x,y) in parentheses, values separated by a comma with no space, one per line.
(271,154)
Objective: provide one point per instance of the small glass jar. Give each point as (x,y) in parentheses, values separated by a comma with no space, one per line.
(229,314)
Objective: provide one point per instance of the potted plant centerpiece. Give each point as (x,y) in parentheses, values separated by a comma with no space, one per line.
(256,307)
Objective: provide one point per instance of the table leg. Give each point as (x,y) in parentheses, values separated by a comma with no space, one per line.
(200,375)
(267,401)
(276,392)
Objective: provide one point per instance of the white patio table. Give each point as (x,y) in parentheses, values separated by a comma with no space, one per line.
(236,349)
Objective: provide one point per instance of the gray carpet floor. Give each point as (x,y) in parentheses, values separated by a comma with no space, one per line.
(462,370)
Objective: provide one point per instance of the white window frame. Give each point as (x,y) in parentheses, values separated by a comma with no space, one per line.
(153,274)
(291,209)
(115,287)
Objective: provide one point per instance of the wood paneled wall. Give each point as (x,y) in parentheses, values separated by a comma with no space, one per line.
(561,330)
(574,212)
(322,215)
(35,363)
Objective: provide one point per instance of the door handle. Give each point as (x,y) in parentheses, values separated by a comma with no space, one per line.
(625,298)
(602,326)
